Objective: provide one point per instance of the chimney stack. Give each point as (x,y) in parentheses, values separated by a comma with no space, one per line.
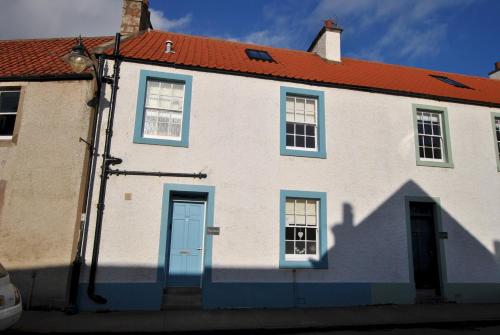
(495,74)
(327,42)
(135,16)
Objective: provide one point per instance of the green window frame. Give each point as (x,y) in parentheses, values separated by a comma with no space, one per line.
(496,137)
(447,160)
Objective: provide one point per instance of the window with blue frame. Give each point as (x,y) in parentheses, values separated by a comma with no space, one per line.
(163,108)
(303,230)
(302,123)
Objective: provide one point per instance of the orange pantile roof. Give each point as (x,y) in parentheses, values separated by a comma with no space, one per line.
(228,56)
(40,58)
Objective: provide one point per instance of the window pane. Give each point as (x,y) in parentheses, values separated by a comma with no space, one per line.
(290,206)
(178,90)
(290,128)
(436,142)
(7,124)
(427,128)
(437,153)
(421,152)
(289,141)
(310,142)
(299,105)
(299,129)
(436,129)
(421,140)
(427,141)
(311,220)
(299,141)
(420,128)
(9,102)
(300,247)
(290,219)
(289,248)
(310,130)
(290,105)
(311,234)
(311,248)
(290,117)
(428,152)
(289,233)
(300,220)
(300,206)
(310,106)
(311,207)
(300,234)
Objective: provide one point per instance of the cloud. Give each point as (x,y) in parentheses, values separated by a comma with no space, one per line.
(407,29)
(160,22)
(57,18)
(60,18)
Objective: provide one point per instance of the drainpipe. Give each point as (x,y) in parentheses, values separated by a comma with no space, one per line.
(92,147)
(106,162)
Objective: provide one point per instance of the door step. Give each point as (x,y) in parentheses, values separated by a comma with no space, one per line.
(181,298)
(429,297)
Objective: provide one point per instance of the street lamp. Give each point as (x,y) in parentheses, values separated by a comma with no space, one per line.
(79,58)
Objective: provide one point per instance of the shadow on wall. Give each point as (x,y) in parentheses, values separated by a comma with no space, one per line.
(369,264)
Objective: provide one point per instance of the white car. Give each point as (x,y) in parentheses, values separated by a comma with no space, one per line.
(10,301)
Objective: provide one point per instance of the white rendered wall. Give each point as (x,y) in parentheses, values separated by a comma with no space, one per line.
(234,138)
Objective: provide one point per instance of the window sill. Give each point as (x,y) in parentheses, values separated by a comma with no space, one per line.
(435,164)
(307,264)
(302,153)
(158,141)
(7,142)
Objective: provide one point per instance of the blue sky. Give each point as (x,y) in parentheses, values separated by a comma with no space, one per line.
(450,35)
(460,36)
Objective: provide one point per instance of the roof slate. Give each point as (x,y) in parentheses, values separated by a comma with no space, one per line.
(39,57)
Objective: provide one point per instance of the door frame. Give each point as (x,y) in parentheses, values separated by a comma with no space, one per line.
(185,200)
(171,192)
(440,247)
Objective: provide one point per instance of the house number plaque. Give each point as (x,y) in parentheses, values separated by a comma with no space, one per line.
(213,230)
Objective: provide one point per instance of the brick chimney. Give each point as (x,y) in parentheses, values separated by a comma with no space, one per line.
(495,74)
(135,16)
(327,42)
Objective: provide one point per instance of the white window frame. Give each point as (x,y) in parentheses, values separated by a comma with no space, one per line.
(9,137)
(316,138)
(174,138)
(441,137)
(305,256)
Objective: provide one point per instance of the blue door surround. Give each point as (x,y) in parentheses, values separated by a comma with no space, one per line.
(186,244)
(187,191)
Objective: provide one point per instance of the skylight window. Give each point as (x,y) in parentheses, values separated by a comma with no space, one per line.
(259,55)
(449,81)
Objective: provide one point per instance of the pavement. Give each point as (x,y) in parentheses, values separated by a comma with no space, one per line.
(264,320)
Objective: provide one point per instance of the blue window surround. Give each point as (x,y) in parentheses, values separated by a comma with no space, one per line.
(322,263)
(321,152)
(141,100)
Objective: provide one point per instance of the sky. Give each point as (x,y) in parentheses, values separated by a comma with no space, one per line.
(461,36)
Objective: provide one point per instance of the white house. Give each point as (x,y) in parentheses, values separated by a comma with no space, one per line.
(330,181)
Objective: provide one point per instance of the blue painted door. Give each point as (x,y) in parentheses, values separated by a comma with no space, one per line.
(186,244)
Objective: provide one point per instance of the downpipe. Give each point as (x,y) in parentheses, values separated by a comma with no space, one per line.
(106,162)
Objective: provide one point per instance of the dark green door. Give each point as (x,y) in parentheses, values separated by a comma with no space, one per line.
(425,256)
